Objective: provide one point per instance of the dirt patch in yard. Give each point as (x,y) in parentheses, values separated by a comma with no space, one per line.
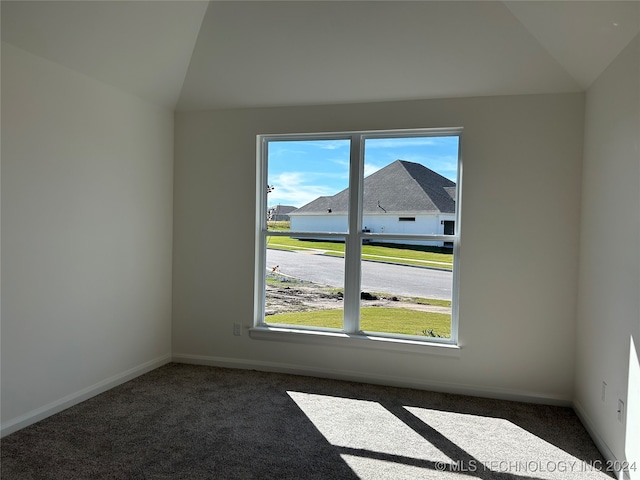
(291,295)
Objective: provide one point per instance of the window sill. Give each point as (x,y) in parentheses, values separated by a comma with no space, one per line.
(315,337)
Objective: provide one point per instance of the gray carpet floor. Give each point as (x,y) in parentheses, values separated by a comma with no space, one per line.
(195,422)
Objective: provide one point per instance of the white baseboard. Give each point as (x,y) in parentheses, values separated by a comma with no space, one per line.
(460,389)
(72,399)
(606,452)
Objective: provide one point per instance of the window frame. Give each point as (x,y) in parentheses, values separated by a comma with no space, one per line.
(354,238)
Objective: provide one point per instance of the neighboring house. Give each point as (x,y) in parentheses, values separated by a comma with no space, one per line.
(280,212)
(403,197)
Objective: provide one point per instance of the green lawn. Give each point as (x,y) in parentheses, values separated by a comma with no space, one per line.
(382,320)
(278,225)
(424,256)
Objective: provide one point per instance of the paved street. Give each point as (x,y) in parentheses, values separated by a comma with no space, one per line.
(376,277)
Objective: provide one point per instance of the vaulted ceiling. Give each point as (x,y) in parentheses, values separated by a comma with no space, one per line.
(194,55)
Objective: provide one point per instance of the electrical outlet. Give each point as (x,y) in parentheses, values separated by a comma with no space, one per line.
(237,330)
(604,391)
(620,410)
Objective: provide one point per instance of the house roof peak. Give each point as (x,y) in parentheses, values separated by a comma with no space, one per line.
(400,187)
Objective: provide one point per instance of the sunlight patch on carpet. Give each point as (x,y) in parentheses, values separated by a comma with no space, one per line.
(632,437)
(365,426)
(372,469)
(498,445)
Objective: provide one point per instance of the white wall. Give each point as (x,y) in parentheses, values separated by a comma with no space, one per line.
(518,271)
(319,223)
(609,287)
(430,224)
(86,236)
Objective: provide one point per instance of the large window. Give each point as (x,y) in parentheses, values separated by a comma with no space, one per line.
(357,234)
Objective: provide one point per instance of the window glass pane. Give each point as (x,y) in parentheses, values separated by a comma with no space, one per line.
(406,290)
(307,185)
(409,195)
(304,282)
(410,185)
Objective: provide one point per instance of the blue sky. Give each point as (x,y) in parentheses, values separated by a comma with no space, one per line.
(303,170)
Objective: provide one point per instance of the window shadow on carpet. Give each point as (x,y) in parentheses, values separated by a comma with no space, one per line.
(196,422)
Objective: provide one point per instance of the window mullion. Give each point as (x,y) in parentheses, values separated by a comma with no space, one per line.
(353,246)
(261,231)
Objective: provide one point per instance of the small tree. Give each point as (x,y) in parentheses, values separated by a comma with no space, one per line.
(270,211)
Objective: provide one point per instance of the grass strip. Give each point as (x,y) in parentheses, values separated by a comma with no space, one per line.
(423,256)
(372,319)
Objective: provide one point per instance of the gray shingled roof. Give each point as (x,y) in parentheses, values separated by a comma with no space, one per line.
(282,209)
(400,187)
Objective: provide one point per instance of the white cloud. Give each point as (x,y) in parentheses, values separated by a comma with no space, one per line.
(370,168)
(292,188)
(279,152)
(341,162)
(328,144)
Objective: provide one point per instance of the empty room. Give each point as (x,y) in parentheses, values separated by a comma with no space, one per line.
(320,239)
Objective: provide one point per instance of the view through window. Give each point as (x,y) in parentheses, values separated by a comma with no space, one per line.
(358,233)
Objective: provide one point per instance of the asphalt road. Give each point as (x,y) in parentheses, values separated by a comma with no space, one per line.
(376,277)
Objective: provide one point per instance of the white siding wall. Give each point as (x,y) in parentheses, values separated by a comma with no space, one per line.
(429,224)
(319,223)
(387,223)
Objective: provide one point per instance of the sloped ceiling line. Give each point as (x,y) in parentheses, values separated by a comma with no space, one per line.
(203,55)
